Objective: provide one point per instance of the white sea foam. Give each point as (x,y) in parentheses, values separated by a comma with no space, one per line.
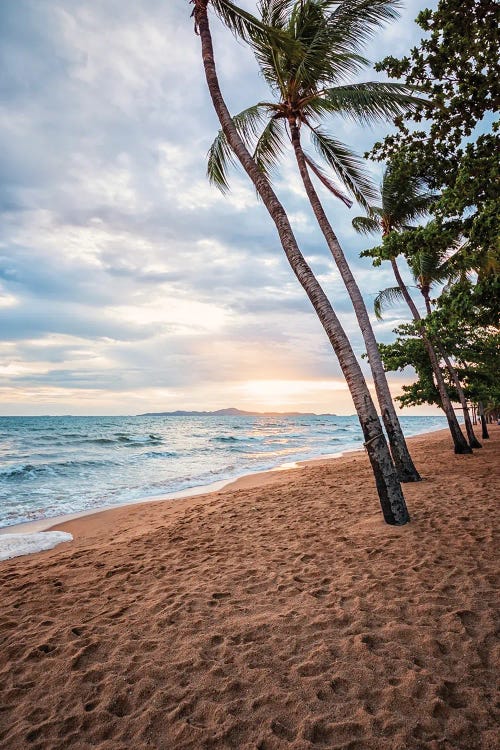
(13,545)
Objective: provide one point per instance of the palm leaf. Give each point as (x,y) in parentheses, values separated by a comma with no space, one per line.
(275,13)
(220,155)
(312,57)
(355,21)
(328,55)
(366,225)
(405,198)
(347,165)
(314,65)
(370,102)
(244,24)
(270,146)
(429,266)
(386,298)
(325,180)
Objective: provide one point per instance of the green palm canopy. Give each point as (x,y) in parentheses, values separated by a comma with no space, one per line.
(405,199)
(308,55)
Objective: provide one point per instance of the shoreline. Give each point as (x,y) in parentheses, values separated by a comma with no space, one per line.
(57,522)
(88,523)
(47,524)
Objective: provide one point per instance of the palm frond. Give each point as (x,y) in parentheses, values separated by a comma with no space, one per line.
(326,181)
(347,165)
(243,23)
(249,122)
(366,225)
(488,261)
(313,55)
(318,60)
(356,21)
(270,146)
(429,266)
(275,46)
(276,13)
(384,299)
(405,198)
(220,156)
(370,102)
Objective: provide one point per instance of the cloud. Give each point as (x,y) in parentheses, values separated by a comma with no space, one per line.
(123,273)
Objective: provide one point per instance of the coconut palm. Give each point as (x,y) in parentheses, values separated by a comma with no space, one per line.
(429,267)
(388,487)
(307,80)
(402,202)
(432,266)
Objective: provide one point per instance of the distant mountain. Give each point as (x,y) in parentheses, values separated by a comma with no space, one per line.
(232,413)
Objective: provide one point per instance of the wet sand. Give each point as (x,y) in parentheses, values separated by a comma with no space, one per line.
(280,613)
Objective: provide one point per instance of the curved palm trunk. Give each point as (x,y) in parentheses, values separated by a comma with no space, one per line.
(388,487)
(400,453)
(459,441)
(473,441)
(484,427)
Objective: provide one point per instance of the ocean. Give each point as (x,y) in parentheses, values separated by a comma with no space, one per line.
(52,466)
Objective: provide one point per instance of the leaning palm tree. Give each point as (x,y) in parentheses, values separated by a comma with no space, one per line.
(388,487)
(306,78)
(403,201)
(429,266)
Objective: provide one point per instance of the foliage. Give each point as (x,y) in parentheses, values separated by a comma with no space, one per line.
(476,353)
(456,65)
(455,158)
(319,49)
(409,351)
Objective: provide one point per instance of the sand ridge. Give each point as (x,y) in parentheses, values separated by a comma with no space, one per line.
(284,616)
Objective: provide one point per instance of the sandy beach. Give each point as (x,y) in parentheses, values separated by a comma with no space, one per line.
(280,613)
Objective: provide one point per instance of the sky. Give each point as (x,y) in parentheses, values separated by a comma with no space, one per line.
(127,282)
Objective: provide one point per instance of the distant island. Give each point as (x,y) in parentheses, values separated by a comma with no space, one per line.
(232,413)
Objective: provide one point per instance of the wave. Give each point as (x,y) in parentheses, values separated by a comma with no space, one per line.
(27,471)
(150,439)
(98,441)
(160,454)
(232,439)
(82,464)
(120,439)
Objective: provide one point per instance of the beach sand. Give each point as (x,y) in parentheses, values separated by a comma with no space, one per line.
(278,614)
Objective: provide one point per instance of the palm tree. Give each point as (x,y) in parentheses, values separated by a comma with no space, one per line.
(325,40)
(403,201)
(386,479)
(432,266)
(429,266)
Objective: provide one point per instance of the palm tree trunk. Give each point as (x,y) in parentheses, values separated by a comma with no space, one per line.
(459,441)
(400,453)
(484,427)
(473,441)
(388,487)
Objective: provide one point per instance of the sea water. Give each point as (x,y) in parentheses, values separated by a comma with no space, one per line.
(51,466)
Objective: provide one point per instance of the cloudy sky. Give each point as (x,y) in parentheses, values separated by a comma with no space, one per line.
(127,282)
